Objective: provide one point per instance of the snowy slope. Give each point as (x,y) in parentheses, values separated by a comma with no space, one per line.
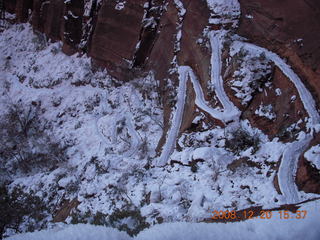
(274,228)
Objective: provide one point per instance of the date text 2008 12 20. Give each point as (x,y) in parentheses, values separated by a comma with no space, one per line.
(251,214)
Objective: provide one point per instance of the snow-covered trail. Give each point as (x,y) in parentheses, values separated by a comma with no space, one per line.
(222,115)
(101,127)
(288,168)
(176,120)
(230,113)
(216,78)
(293,151)
(135,141)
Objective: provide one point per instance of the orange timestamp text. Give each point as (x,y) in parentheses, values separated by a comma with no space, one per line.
(253,214)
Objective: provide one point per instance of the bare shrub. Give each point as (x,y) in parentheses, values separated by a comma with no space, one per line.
(241,140)
(143,148)
(55,50)
(128,219)
(120,219)
(40,41)
(24,144)
(17,206)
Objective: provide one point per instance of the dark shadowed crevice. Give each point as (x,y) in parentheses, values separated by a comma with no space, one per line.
(22,9)
(73,22)
(148,32)
(89,25)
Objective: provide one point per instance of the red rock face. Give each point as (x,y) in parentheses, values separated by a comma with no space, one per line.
(160,60)
(116,35)
(47,17)
(22,9)
(10,6)
(279,26)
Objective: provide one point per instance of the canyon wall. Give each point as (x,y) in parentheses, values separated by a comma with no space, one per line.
(123,35)
(130,38)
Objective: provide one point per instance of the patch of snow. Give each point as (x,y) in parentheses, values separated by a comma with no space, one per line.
(313,156)
(224,11)
(182,11)
(120,5)
(278,91)
(72,15)
(65,181)
(149,22)
(87,7)
(266,111)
